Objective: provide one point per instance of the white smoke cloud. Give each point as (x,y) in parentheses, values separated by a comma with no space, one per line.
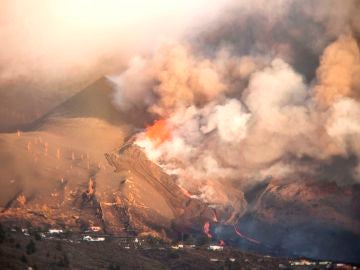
(243,108)
(228,120)
(344,125)
(250,136)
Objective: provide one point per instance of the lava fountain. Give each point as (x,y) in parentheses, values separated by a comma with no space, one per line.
(159,132)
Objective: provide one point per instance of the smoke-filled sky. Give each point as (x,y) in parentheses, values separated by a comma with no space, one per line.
(44,39)
(266,89)
(52,48)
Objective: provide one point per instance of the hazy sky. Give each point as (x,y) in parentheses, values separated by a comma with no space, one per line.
(48,39)
(51,49)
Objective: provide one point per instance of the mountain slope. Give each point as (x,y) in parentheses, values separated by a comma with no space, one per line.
(56,173)
(68,169)
(95,101)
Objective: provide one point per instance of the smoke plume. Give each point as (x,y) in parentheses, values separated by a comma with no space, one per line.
(268,89)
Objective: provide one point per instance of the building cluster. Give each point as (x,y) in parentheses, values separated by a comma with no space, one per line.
(92,234)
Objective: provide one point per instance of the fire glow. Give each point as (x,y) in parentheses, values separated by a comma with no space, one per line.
(185,192)
(159,132)
(206,229)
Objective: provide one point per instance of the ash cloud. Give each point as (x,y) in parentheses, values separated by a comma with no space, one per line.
(254,94)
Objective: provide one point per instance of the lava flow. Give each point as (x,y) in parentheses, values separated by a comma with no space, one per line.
(206,229)
(237,231)
(185,192)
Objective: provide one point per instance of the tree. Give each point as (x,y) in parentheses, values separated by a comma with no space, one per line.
(2,234)
(189,239)
(30,248)
(173,255)
(202,240)
(37,236)
(64,261)
(58,246)
(23,258)
(114,266)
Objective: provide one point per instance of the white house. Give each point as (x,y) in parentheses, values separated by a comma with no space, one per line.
(93,239)
(55,231)
(179,246)
(216,247)
(302,262)
(25,232)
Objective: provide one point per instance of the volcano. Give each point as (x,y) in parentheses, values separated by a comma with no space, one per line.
(77,167)
(70,152)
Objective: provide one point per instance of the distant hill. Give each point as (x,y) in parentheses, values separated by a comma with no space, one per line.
(22,102)
(95,101)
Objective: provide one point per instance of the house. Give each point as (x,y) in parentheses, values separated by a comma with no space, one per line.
(95,229)
(25,232)
(55,231)
(216,248)
(302,262)
(93,239)
(178,246)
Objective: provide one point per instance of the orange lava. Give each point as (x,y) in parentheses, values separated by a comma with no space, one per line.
(186,192)
(206,229)
(237,231)
(159,132)
(90,190)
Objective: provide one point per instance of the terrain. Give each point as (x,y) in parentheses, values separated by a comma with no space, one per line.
(75,184)
(40,251)
(76,167)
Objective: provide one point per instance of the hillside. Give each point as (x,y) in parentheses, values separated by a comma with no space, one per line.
(75,167)
(56,173)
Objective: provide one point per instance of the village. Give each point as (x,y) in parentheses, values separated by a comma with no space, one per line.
(217,252)
(94,234)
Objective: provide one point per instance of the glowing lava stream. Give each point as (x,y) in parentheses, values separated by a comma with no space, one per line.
(185,192)
(206,229)
(237,231)
(160,132)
